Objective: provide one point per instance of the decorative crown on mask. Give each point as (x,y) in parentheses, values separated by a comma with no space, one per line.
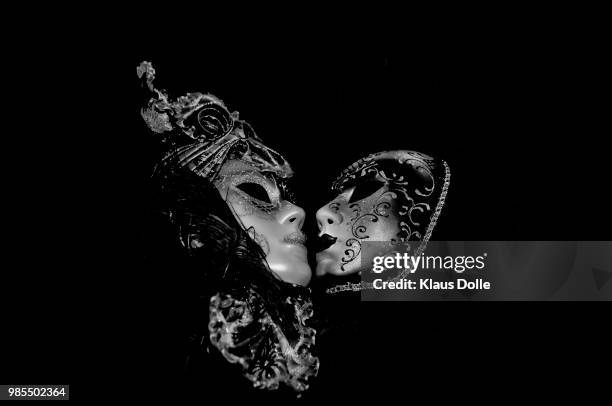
(200,133)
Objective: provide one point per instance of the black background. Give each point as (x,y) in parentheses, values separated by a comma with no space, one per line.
(516,112)
(515,119)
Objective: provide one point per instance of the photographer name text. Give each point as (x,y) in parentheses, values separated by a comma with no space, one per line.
(457,264)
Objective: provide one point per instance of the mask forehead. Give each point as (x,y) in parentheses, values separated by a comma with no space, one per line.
(236,169)
(276,183)
(401,168)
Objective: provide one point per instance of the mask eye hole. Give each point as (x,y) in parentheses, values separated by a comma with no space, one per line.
(255,190)
(365,189)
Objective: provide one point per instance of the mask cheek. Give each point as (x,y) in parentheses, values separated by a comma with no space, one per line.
(260,239)
(386,229)
(372,220)
(241,207)
(262,229)
(339,259)
(384,210)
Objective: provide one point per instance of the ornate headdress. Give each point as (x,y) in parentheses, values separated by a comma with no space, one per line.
(201,134)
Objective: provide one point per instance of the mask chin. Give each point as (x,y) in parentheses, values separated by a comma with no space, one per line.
(288,260)
(297,272)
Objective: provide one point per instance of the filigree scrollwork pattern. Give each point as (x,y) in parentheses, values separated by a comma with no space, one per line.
(356,209)
(416,187)
(245,334)
(351,253)
(411,182)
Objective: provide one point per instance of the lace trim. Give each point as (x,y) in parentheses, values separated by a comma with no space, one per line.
(245,334)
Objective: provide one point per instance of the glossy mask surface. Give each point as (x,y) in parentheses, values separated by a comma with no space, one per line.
(260,202)
(388,196)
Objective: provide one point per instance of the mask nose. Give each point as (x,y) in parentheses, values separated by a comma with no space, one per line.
(327,217)
(293,215)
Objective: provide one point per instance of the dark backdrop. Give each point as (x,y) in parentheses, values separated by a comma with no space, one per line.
(514,118)
(518,113)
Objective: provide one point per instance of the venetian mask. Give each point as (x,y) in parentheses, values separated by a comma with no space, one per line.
(393,197)
(263,205)
(203,136)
